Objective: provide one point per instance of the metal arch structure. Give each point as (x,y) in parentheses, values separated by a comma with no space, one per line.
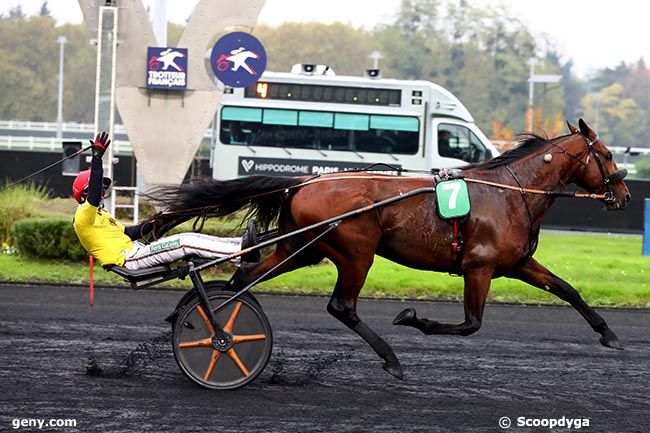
(165,127)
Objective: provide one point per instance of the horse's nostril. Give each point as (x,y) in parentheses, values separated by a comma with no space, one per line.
(628,197)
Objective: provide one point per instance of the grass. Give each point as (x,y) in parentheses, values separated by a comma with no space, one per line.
(18,202)
(608,270)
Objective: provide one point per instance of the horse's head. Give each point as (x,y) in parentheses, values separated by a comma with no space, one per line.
(598,173)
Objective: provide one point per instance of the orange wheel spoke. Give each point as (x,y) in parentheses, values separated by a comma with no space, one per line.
(205,319)
(235,358)
(215,357)
(233,316)
(243,338)
(200,343)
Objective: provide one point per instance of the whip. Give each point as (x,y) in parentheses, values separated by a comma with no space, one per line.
(44,168)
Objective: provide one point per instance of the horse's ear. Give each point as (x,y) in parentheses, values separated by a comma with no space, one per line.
(574,129)
(586,130)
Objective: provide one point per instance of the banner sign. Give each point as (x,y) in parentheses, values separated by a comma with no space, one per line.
(300,167)
(238,59)
(166,68)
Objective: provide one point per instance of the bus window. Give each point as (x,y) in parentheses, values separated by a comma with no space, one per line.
(457,141)
(321,130)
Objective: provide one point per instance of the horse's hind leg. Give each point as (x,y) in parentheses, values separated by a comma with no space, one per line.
(477,285)
(537,275)
(343,306)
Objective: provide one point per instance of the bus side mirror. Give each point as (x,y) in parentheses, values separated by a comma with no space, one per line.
(488,155)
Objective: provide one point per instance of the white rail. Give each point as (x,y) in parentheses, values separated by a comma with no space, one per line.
(50,144)
(26,125)
(51,126)
(632,150)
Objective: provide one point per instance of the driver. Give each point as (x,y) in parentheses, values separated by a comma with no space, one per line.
(444,147)
(113,244)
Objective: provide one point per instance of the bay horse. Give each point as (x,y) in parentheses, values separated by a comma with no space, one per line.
(500,235)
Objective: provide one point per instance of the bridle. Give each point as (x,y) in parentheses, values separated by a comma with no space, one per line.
(607,197)
(616,176)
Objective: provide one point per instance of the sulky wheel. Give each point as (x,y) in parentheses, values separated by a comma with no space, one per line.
(222,366)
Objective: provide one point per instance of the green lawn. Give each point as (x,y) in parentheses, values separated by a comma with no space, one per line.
(608,270)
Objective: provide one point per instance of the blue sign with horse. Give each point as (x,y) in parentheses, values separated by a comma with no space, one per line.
(166,68)
(238,59)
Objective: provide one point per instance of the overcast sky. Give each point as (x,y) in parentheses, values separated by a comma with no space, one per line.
(594,33)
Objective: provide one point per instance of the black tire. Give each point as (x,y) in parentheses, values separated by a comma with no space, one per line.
(194,354)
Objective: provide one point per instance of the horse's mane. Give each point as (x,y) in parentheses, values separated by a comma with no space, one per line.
(527,143)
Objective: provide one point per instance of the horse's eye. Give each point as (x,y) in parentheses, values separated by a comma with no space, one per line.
(609,156)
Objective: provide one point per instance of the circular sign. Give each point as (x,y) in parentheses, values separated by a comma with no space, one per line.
(238,59)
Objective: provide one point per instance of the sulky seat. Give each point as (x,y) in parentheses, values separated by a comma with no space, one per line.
(133,275)
(140,278)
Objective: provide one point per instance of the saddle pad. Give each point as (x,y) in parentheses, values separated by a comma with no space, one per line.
(452,198)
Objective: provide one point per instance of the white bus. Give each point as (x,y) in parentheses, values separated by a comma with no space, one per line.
(309,123)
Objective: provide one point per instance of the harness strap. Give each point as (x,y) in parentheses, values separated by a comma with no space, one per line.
(456,249)
(531,235)
(456,243)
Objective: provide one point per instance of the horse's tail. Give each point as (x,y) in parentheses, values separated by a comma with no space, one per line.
(261,196)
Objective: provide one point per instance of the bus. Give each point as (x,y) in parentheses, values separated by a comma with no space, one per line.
(310,122)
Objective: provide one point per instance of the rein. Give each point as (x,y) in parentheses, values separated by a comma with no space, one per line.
(539,191)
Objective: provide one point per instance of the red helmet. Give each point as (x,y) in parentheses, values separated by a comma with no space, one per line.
(80,185)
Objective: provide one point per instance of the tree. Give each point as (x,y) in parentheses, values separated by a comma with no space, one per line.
(419,17)
(80,69)
(30,68)
(478,53)
(16,12)
(340,46)
(45,11)
(619,120)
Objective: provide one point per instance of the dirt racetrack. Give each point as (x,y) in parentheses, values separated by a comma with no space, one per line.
(110,367)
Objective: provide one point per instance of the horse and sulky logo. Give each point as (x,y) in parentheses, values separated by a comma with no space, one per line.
(166,68)
(238,59)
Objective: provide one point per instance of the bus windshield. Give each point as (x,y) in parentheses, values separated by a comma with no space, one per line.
(319,130)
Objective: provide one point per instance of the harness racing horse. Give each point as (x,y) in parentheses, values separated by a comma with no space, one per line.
(500,235)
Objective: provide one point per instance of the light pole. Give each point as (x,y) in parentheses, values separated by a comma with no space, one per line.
(375,56)
(545,79)
(531,94)
(59,109)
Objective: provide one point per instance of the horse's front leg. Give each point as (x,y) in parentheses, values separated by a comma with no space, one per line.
(477,285)
(533,273)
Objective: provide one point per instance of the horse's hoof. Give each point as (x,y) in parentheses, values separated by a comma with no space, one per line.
(609,339)
(406,317)
(394,369)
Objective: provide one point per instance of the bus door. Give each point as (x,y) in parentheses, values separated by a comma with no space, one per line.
(459,143)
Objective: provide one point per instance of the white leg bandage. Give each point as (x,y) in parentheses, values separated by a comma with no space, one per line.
(171,248)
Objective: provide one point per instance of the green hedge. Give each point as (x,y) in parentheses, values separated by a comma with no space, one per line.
(642,169)
(47,238)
